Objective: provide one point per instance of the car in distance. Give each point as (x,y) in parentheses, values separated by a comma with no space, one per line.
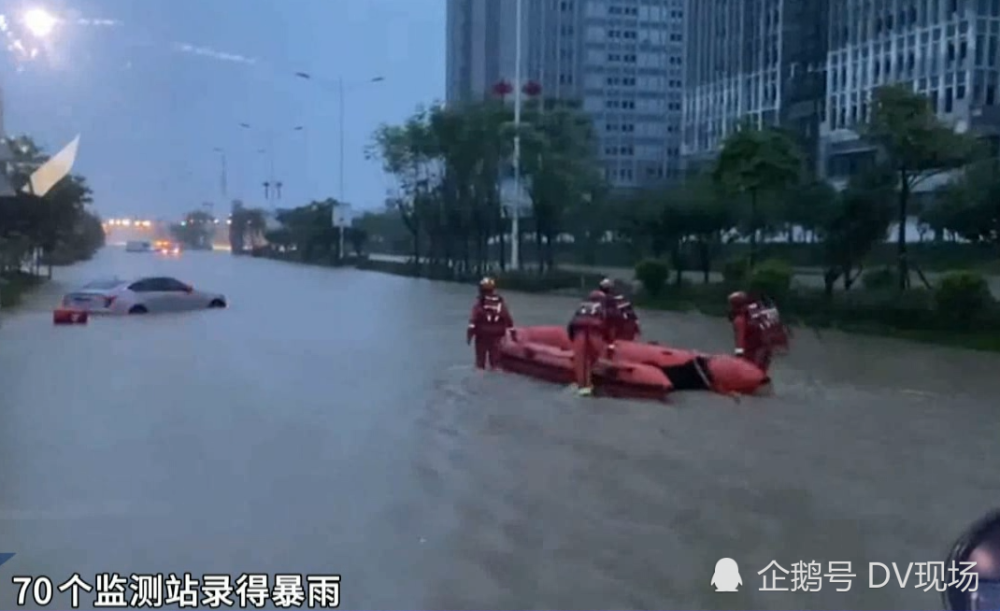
(138,246)
(141,296)
(167,247)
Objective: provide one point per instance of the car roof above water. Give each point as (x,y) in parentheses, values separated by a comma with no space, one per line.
(105,284)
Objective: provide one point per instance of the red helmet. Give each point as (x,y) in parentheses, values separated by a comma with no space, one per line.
(487,285)
(738,300)
(596,296)
(607,285)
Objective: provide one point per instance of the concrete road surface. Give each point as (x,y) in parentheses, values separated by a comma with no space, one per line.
(329,422)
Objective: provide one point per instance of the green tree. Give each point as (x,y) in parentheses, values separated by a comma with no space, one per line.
(588,220)
(852,224)
(386,231)
(916,145)
(805,207)
(195,231)
(970,206)
(758,162)
(55,229)
(560,168)
(407,154)
(448,163)
(708,219)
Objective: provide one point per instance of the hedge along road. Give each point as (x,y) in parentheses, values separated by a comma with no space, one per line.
(811,277)
(329,422)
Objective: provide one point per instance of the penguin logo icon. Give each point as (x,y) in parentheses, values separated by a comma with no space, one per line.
(727,576)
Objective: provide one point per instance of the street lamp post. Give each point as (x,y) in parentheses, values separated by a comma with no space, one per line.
(340,120)
(272,187)
(515,223)
(223,173)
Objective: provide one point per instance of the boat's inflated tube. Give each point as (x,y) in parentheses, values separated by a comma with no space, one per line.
(546,353)
(634,369)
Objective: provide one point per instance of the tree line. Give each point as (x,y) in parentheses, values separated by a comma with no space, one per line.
(57,229)
(449,163)
(305,233)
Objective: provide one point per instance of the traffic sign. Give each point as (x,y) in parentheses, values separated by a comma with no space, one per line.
(512,198)
(341,216)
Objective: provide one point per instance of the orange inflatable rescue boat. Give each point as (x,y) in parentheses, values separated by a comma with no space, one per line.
(546,353)
(690,370)
(634,370)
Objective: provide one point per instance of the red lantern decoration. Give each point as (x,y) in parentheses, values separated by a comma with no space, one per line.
(502,89)
(531,89)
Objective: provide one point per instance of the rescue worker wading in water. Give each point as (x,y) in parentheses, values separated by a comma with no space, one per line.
(621,316)
(591,335)
(488,323)
(757,329)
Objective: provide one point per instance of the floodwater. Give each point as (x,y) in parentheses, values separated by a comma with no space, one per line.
(329,422)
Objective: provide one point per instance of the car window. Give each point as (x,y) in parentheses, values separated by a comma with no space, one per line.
(171,284)
(144,286)
(102,284)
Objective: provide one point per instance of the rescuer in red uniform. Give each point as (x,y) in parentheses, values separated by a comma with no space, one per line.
(489,320)
(622,320)
(757,329)
(591,335)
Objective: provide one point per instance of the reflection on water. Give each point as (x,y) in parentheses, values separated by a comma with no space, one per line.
(329,421)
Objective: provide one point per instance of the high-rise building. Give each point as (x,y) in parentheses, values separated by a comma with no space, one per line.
(761,61)
(621,59)
(948,50)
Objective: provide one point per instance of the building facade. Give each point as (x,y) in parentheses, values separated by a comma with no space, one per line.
(621,59)
(757,61)
(948,50)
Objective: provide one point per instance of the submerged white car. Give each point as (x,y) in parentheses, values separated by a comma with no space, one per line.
(138,246)
(142,296)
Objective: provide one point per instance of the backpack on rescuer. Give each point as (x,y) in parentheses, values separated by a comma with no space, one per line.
(763,317)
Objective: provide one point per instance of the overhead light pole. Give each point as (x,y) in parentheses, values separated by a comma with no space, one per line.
(272,187)
(515,222)
(223,173)
(341,100)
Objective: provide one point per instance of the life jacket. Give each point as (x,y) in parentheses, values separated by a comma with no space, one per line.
(589,315)
(491,309)
(764,321)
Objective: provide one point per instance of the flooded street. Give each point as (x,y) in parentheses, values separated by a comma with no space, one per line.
(329,422)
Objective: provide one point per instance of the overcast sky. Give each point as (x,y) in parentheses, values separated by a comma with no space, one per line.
(153,86)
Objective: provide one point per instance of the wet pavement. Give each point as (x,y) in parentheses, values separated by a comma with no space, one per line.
(329,422)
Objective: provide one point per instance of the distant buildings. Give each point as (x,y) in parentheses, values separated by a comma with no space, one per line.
(623,60)
(946,49)
(812,65)
(761,61)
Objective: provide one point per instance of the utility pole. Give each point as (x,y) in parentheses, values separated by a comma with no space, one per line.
(515,224)
(223,174)
(340,94)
